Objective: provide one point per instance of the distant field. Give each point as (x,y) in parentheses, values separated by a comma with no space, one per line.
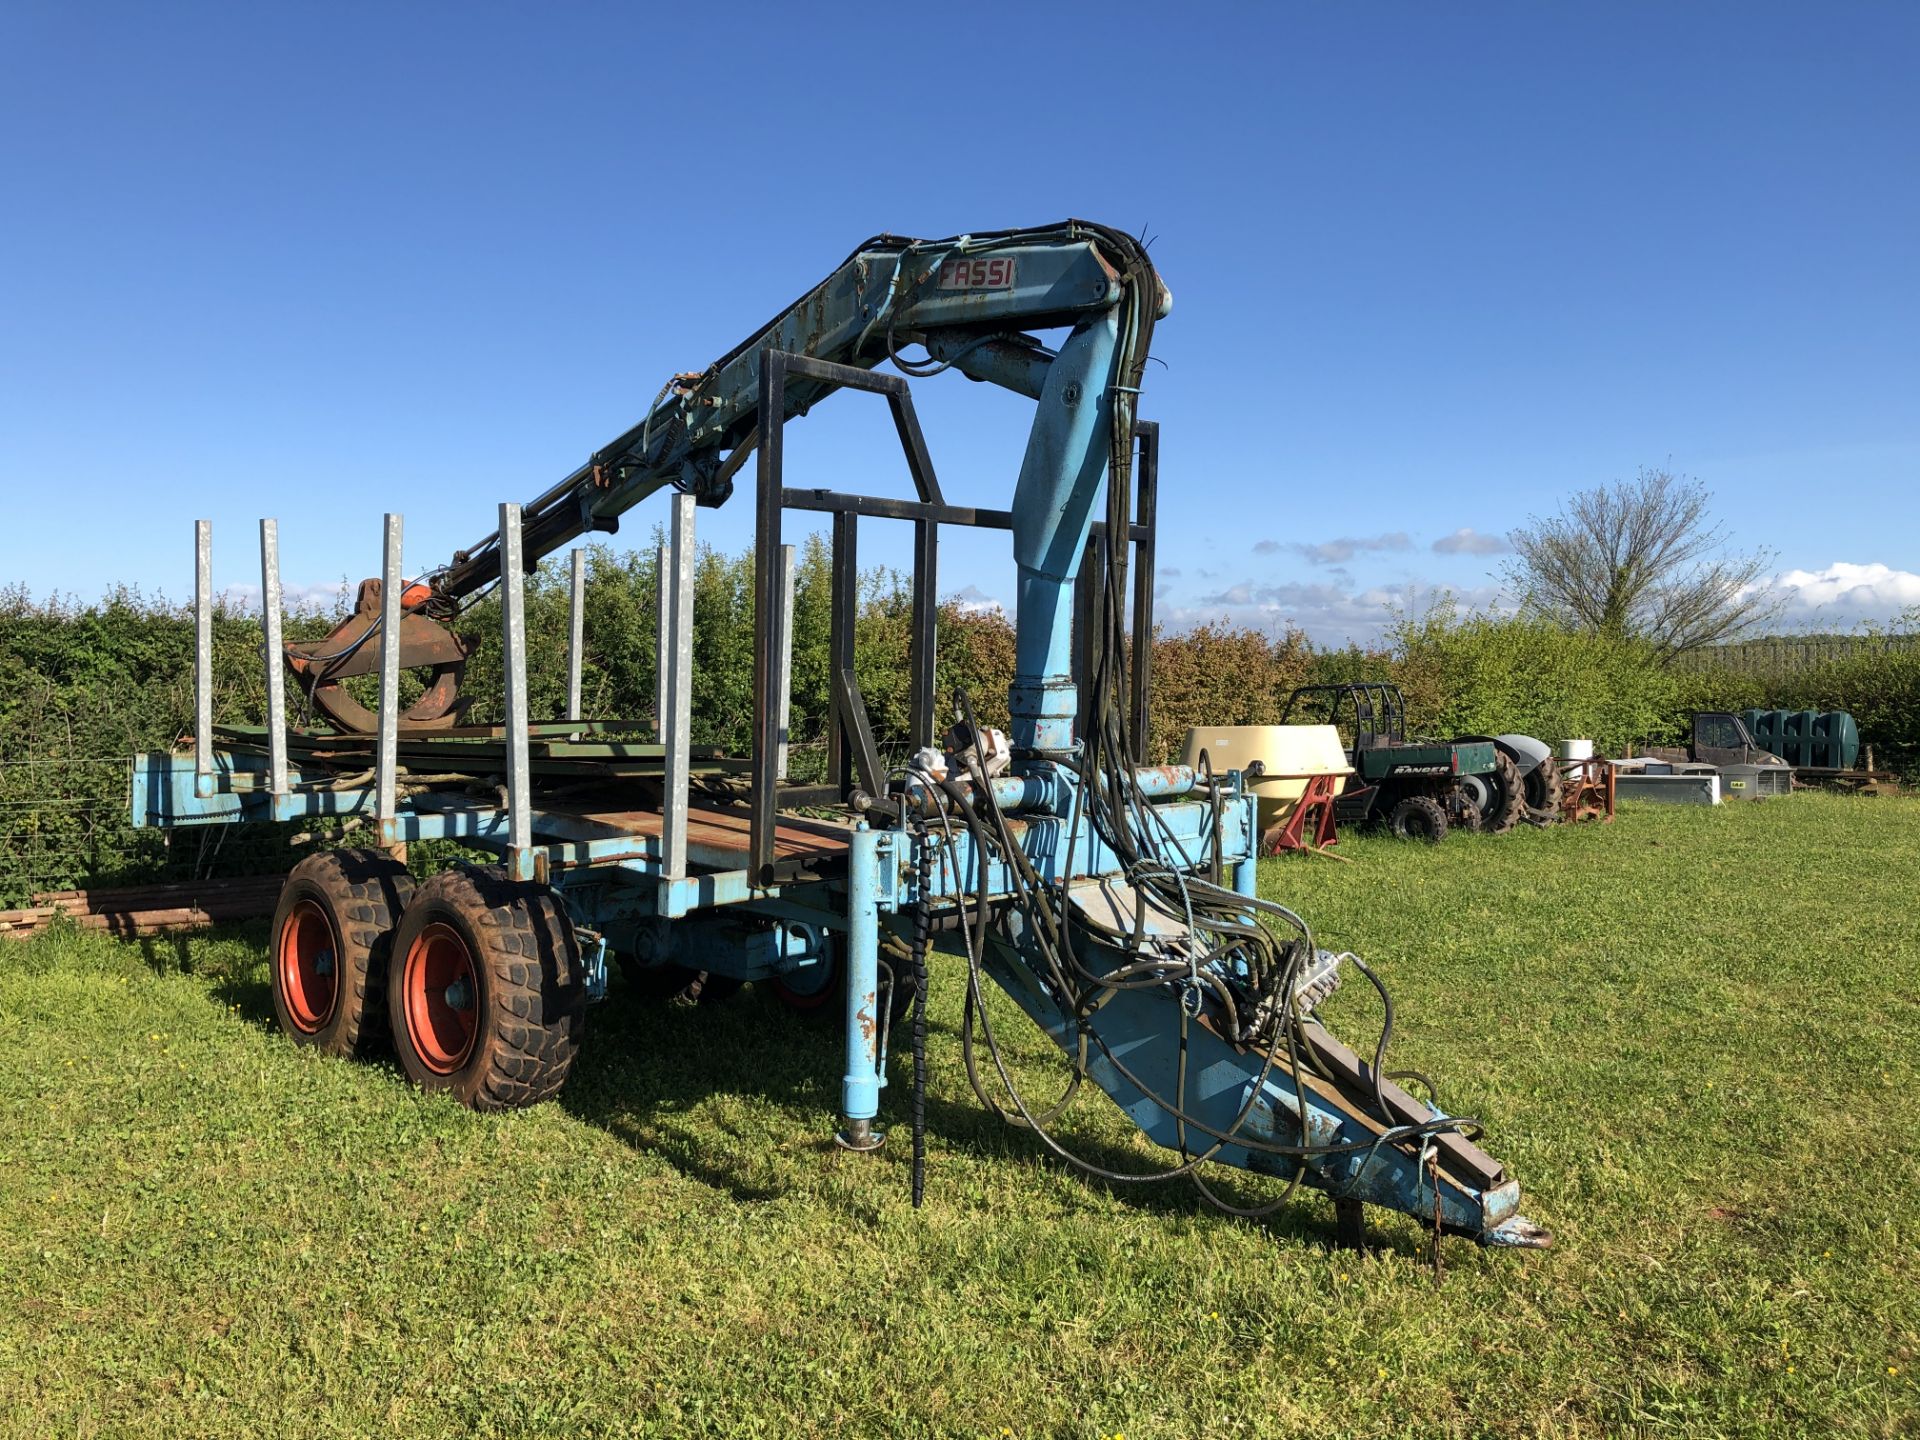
(1694,1035)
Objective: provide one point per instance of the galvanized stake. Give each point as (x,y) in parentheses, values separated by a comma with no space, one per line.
(276,677)
(203,658)
(663,653)
(576,633)
(783,658)
(513,620)
(387,763)
(678,710)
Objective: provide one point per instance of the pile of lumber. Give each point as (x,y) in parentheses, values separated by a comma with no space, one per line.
(148,909)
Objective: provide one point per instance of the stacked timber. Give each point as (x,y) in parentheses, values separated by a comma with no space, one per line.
(147,909)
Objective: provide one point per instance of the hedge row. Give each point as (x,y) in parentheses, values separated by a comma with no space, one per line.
(83,686)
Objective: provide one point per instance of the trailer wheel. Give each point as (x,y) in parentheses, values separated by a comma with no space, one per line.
(486,992)
(1418,817)
(822,994)
(332,932)
(1543,789)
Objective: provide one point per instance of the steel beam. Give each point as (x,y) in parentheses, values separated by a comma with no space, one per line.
(576,633)
(513,626)
(769,614)
(783,668)
(843,609)
(386,758)
(276,672)
(203,657)
(662,653)
(679,687)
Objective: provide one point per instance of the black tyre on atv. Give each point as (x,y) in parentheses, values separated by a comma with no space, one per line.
(486,992)
(1418,817)
(332,932)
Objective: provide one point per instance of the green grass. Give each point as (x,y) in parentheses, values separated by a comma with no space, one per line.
(1693,1035)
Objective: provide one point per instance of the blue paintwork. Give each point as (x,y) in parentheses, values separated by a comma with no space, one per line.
(1221,1078)
(612,882)
(860,1086)
(1052,513)
(613,886)
(1059,277)
(1246,879)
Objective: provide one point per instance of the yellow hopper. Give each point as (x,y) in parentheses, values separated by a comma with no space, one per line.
(1293,755)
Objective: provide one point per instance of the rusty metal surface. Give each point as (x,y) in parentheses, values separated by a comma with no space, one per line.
(355,647)
(1587,790)
(725,829)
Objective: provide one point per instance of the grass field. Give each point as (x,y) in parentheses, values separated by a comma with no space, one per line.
(1693,1035)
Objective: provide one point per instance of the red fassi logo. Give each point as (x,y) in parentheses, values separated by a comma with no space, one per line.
(984,274)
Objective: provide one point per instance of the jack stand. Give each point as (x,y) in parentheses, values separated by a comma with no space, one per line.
(1349,1223)
(860,1137)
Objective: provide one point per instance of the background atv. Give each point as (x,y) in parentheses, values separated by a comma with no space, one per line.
(1418,788)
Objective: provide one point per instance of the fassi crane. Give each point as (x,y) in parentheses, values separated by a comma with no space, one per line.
(1114,902)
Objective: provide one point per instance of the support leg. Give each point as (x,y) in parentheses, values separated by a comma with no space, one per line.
(860,1086)
(1246,874)
(1349,1223)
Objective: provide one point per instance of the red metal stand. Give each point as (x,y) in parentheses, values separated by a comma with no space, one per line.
(1315,805)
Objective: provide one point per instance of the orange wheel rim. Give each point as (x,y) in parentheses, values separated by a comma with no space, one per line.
(442,998)
(308,962)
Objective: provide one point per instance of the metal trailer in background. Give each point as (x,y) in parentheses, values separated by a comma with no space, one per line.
(1114,901)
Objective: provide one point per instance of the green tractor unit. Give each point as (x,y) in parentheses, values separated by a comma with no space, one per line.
(1419,789)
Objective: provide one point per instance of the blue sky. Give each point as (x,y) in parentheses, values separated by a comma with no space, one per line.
(1433,268)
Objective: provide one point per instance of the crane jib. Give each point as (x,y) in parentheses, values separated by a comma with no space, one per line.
(884,297)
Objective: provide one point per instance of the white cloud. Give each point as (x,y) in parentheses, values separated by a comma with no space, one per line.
(1330,614)
(1468,541)
(321,599)
(1338,552)
(1847,593)
(975,601)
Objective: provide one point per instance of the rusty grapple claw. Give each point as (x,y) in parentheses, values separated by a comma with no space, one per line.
(354,648)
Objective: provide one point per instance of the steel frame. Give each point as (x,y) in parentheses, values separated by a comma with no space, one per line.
(851,754)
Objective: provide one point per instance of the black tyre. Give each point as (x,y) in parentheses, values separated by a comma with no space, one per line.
(1419,817)
(1499,795)
(332,933)
(1542,792)
(486,993)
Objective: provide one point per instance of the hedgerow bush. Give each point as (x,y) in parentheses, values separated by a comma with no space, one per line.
(82,686)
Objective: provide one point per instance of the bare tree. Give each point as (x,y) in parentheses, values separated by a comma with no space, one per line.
(1642,559)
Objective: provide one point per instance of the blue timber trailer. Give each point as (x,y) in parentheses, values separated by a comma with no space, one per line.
(1113,900)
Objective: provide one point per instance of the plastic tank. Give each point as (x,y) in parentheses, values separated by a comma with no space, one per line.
(1827,739)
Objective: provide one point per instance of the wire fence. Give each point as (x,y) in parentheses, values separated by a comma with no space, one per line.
(65,824)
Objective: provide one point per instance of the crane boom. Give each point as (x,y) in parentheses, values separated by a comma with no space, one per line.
(970,301)
(969,297)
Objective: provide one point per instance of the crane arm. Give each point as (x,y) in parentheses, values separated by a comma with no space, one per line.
(968,298)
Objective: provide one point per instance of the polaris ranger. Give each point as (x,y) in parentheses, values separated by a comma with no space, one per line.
(1418,788)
